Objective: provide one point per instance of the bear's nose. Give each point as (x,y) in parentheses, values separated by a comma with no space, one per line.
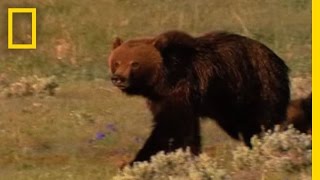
(118,80)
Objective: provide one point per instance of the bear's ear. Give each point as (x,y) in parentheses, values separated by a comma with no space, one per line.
(175,45)
(160,42)
(117,42)
(174,40)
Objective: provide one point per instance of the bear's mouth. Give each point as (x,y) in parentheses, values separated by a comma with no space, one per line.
(122,86)
(120,82)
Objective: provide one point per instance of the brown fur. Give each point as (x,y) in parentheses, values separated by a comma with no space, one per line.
(235,80)
(299,114)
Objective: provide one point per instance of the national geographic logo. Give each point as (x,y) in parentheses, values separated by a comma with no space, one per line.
(33,12)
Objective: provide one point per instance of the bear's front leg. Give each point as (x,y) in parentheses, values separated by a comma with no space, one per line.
(174,128)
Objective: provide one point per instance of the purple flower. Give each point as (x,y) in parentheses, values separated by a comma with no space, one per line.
(100,135)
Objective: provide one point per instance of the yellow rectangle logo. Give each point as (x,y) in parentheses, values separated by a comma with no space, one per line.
(33,12)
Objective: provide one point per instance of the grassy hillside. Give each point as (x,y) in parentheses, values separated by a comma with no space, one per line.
(80,32)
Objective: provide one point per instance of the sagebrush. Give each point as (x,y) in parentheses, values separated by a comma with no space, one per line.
(283,152)
(29,86)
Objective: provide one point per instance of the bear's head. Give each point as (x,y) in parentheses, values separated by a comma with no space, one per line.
(136,65)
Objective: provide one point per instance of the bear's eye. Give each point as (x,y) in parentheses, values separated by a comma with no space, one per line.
(116,64)
(135,65)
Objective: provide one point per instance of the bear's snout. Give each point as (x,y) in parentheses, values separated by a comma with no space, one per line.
(119,81)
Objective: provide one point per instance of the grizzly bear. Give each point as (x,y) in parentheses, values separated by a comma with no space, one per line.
(299,114)
(237,81)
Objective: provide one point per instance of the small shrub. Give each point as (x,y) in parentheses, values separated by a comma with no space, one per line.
(276,153)
(31,85)
(178,165)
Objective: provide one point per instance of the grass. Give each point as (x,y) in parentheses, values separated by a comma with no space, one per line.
(55,137)
(59,132)
(79,33)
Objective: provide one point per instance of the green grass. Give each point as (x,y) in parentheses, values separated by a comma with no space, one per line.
(85,30)
(55,136)
(54,133)
(51,137)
